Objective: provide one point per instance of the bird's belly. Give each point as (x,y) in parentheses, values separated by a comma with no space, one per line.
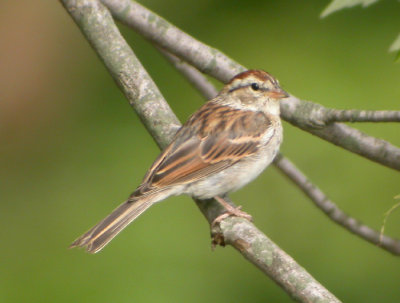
(236,176)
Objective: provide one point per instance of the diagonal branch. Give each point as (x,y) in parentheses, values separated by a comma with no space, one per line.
(192,74)
(309,117)
(218,65)
(331,209)
(293,173)
(97,25)
(156,29)
(99,29)
(355,115)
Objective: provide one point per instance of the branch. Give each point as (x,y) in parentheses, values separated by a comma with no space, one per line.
(354,115)
(331,209)
(97,25)
(310,117)
(99,28)
(205,58)
(192,74)
(218,65)
(267,256)
(294,174)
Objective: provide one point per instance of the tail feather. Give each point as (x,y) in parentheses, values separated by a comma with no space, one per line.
(102,233)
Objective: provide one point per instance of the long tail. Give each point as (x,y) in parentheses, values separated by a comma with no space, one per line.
(102,233)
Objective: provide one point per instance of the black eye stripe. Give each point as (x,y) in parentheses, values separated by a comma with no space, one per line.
(248,85)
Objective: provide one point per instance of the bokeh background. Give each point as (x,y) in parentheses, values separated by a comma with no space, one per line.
(72,149)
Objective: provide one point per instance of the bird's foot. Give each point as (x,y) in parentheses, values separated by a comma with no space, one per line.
(216,234)
(230,211)
(234,211)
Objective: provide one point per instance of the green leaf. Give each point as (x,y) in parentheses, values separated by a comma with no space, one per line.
(336,5)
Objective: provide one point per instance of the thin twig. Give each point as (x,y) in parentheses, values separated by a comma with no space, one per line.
(331,209)
(294,174)
(218,65)
(192,74)
(97,25)
(355,115)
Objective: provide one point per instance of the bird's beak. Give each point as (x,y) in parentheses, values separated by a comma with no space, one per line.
(278,94)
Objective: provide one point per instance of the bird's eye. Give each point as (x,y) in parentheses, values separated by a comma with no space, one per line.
(255,86)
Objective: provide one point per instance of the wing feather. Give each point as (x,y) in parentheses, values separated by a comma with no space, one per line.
(213,139)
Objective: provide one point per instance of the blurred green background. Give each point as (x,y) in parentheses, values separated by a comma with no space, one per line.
(72,149)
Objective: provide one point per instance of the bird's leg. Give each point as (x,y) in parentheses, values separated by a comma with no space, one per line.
(230,211)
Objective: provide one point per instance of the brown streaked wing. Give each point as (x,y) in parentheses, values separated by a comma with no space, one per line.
(207,148)
(185,165)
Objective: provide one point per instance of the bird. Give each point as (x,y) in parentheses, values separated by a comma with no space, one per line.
(223,146)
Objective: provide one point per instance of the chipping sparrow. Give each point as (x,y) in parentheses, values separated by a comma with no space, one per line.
(223,146)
